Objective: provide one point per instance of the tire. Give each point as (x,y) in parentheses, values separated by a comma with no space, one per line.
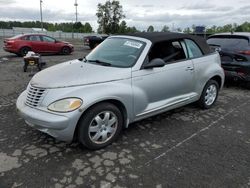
(24,50)
(93,45)
(66,50)
(209,94)
(93,132)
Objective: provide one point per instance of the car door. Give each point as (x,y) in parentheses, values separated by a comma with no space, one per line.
(36,43)
(49,44)
(158,88)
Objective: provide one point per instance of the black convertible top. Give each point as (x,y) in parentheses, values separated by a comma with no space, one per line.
(156,37)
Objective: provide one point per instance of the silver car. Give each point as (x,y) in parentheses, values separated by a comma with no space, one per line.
(123,80)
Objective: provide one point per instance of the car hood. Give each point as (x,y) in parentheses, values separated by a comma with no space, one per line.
(76,73)
(64,42)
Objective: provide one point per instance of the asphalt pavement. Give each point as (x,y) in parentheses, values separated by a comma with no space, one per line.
(186,147)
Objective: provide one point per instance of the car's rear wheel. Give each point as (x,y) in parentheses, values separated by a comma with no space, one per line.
(24,50)
(66,50)
(100,126)
(209,94)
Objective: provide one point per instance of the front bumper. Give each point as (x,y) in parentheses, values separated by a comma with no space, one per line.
(72,49)
(60,126)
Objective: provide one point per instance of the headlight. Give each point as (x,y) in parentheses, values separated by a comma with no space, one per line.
(65,105)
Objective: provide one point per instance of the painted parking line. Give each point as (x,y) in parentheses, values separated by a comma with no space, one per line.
(148,163)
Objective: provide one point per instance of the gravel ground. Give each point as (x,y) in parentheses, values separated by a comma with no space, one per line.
(186,147)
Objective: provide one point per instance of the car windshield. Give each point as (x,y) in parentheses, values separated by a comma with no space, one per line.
(229,43)
(117,52)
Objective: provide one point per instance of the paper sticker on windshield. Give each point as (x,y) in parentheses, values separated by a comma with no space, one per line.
(133,44)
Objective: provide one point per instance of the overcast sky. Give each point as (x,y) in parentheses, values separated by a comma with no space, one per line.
(139,13)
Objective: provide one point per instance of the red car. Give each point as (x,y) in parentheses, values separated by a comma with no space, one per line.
(38,43)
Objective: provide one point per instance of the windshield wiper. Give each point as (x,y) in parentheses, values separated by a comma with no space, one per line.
(100,62)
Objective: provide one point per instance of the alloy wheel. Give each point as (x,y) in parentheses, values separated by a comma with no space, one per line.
(211,94)
(103,127)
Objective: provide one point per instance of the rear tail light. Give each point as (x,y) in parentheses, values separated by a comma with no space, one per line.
(10,42)
(245,52)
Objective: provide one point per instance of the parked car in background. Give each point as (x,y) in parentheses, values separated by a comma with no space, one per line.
(234,49)
(125,79)
(93,41)
(38,43)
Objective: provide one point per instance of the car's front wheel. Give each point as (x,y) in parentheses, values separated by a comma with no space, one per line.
(66,50)
(100,126)
(93,45)
(209,94)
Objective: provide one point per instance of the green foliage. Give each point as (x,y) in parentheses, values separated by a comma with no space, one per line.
(109,15)
(165,29)
(132,30)
(65,27)
(150,29)
(179,29)
(87,28)
(187,30)
(123,28)
(245,27)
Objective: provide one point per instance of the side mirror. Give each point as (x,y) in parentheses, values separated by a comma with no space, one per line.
(157,62)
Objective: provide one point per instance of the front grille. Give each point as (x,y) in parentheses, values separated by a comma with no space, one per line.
(34,96)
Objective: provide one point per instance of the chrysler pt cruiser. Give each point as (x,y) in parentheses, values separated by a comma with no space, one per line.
(125,79)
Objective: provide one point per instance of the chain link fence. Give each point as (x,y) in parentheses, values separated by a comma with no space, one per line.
(57,34)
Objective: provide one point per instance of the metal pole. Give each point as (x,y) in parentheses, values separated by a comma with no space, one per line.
(41,13)
(76,10)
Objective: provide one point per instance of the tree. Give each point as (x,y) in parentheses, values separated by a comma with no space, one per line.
(109,16)
(132,30)
(245,27)
(150,29)
(123,27)
(77,26)
(187,30)
(193,28)
(165,29)
(212,30)
(87,28)
(179,29)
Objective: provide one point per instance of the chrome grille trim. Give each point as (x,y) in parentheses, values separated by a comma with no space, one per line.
(34,96)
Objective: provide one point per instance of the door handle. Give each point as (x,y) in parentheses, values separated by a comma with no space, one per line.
(189,69)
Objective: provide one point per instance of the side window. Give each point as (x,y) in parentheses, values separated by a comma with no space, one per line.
(25,38)
(229,42)
(169,51)
(48,39)
(193,49)
(34,38)
(184,48)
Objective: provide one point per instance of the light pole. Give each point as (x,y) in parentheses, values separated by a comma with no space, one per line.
(41,13)
(76,10)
